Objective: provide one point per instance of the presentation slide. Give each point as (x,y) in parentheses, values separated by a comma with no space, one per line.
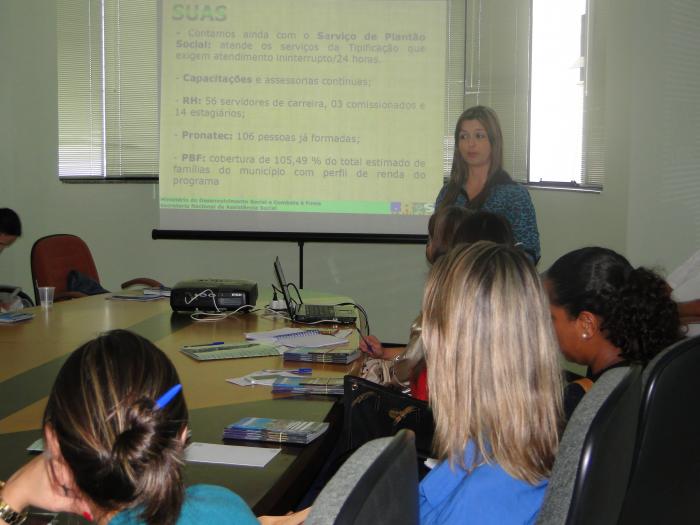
(324,116)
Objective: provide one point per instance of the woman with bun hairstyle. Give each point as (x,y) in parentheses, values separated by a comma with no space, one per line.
(115,427)
(494,386)
(607,314)
(479,182)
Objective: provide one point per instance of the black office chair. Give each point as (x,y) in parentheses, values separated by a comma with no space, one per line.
(590,473)
(378,484)
(665,482)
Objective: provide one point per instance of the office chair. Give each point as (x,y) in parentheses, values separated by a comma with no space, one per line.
(665,482)
(590,473)
(378,484)
(53,257)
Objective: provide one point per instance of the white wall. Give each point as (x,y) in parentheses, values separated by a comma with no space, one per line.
(116,219)
(663,224)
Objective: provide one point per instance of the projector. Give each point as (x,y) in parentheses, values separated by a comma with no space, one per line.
(213,295)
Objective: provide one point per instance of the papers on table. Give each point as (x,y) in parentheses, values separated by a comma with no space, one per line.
(261,377)
(229,454)
(132,297)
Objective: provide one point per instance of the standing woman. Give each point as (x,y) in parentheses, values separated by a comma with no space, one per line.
(478,180)
(494,386)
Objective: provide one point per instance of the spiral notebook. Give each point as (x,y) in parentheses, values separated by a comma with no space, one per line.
(297,338)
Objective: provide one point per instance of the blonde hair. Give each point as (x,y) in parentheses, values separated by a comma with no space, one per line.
(493,371)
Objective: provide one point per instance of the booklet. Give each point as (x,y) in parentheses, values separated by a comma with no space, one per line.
(229,351)
(308,385)
(275,430)
(15,317)
(323,355)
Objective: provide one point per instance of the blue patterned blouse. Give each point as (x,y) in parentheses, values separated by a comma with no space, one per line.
(513,202)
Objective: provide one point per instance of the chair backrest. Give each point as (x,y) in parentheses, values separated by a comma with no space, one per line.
(594,461)
(54,256)
(665,482)
(378,484)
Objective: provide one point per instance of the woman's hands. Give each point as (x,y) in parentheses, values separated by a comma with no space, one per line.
(374,348)
(290,519)
(44,483)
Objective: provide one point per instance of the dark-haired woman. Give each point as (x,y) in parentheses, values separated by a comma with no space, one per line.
(607,314)
(478,180)
(115,427)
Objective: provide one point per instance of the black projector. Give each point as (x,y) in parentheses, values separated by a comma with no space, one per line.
(213,295)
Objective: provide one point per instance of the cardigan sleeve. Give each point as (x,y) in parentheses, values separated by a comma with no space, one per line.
(513,202)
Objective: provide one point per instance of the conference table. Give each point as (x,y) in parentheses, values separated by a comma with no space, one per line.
(32,352)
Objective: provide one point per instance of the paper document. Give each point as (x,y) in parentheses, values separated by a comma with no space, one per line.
(230,454)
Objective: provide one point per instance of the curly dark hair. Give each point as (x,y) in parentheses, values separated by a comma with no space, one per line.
(638,314)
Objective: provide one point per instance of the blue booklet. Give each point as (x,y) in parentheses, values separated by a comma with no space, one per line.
(275,430)
(15,317)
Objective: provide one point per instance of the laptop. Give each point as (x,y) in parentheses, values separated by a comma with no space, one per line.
(312,313)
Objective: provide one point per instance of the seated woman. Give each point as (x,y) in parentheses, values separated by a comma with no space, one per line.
(115,427)
(448,227)
(494,386)
(607,314)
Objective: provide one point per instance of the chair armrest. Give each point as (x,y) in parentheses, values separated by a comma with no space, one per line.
(65,296)
(143,281)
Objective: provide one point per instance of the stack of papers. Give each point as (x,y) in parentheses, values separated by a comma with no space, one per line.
(15,317)
(132,297)
(275,430)
(341,356)
(163,291)
(308,385)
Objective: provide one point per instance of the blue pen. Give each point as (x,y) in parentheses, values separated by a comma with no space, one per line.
(167,397)
(215,343)
(298,371)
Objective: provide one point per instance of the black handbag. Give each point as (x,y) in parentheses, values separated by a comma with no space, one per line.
(372,411)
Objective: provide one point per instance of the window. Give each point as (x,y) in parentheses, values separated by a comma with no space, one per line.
(107,89)
(536,64)
(565,111)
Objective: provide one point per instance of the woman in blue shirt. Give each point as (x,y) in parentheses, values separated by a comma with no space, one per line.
(495,387)
(479,181)
(115,428)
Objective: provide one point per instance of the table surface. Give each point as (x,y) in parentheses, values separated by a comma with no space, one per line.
(32,353)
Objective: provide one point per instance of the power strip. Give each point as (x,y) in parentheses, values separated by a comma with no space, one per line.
(277,305)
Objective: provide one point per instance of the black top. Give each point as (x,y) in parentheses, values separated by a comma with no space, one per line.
(573,392)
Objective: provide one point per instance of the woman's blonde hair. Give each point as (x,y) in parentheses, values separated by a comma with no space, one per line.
(493,370)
